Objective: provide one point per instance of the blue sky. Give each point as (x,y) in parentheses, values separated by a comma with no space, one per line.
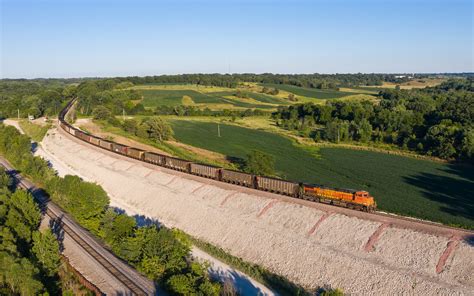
(72,38)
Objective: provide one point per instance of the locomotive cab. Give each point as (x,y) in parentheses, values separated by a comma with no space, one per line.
(363,197)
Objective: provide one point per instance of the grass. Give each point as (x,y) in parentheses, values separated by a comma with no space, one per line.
(415,83)
(276,282)
(34,131)
(159,97)
(214,100)
(310,92)
(419,188)
(166,147)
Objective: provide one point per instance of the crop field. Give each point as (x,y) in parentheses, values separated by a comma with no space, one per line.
(214,98)
(310,92)
(159,97)
(419,188)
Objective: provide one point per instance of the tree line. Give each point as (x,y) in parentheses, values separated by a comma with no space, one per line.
(29,258)
(23,98)
(435,121)
(160,253)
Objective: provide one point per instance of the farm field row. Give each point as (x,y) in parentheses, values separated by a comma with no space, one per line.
(218,98)
(419,188)
(312,92)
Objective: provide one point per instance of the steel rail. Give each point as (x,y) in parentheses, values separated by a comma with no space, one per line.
(54,212)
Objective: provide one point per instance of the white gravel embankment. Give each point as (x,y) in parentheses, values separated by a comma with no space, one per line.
(245,284)
(403,261)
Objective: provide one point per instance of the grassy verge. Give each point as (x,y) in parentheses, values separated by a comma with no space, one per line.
(166,147)
(264,276)
(34,131)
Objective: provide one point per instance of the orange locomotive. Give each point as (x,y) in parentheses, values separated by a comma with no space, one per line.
(360,200)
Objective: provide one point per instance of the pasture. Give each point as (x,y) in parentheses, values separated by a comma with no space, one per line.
(419,188)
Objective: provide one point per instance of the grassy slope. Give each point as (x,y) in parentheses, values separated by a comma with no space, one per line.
(34,131)
(310,92)
(158,97)
(220,98)
(419,188)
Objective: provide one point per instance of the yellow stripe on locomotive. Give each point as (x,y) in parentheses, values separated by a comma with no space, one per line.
(349,197)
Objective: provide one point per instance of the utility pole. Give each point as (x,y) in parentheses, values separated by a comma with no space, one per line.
(218,130)
(18,113)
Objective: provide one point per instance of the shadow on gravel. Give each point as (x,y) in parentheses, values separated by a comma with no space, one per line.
(57,229)
(470,240)
(242,284)
(34,147)
(141,220)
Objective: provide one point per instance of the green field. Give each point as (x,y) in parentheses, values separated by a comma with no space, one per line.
(418,188)
(159,97)
(310,92)
(162,97)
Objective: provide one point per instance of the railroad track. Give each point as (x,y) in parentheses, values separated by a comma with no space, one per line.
(465,233)
(76,233)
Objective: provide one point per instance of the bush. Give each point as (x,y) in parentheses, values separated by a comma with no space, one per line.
(101,113)
(260,163)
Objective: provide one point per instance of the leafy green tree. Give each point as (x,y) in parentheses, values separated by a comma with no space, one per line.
(101,112)
(23,216)
(130,125)
(158,129)
(260,163)
(337,130)
(467,147)
(116,227)
(364,131)
(181,284)
(5,180)
(153,267)
(46,250)
(86,201)
(20,275)
(209,288)
(8,241)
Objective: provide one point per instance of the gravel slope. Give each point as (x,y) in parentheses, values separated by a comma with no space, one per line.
(282,238)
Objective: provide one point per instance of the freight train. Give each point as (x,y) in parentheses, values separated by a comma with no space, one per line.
(355,199)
